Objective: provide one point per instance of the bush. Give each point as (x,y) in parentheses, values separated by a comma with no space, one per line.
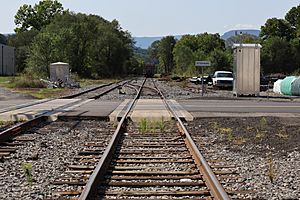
(27,81)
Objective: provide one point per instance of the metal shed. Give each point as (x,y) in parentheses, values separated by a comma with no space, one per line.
(59,72)
(246,69)
(7,60)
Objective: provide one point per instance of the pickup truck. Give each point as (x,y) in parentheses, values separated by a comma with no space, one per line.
(222,79)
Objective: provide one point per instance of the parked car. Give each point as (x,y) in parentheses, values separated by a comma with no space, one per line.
(198,80)
(194,80)
(206,79)
(222,79)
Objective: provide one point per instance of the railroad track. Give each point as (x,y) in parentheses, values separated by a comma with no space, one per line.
(162,162)
(156,165)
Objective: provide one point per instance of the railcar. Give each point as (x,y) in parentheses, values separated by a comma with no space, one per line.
(149,70)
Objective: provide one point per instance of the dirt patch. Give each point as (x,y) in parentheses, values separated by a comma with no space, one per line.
(268,134)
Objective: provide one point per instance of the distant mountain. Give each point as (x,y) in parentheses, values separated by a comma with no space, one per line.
(231,33)
(145,42)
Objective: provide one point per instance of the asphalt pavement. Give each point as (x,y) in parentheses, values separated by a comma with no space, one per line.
(240,106)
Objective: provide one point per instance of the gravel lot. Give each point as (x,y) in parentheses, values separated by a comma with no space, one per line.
(54,148)
(265,151)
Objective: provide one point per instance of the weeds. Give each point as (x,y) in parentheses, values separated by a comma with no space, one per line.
(271,168)
(260,134)
(162,125)
(263,122)
(249,128)
(152,126)
(282,133)
(142,125)
(215,126)
(240,141)
(228,132)
(27,168)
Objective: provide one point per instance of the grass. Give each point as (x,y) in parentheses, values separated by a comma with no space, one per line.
(47,93)
(27,169)
(153,126)
(162,125)
(6,123)
(6,81)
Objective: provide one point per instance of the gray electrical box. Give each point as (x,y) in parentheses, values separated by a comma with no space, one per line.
(59,72)
(246,69)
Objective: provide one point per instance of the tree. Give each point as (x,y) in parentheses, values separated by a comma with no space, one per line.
(22,41)
(277,28)
(209,42)
(295,43)
(220,60)
(3,39)
(200,47)
(277,56)
(93,46)
(183,57)
(165,52)
(38,16)
(293,17)
(153,52)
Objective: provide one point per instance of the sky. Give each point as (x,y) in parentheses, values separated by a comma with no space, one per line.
(168,17)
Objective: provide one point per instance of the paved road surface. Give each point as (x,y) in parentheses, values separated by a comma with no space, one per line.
(240,106)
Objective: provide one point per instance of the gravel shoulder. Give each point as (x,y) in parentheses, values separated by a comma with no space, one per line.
(6,95)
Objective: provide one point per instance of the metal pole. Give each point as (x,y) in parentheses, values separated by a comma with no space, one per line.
(202,93)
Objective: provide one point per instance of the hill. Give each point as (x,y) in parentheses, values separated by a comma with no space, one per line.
(145,42)
(231,33)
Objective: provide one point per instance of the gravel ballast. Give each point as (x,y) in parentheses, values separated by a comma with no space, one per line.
(53,149)
(268,164)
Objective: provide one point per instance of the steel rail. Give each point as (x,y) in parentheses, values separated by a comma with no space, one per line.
(18,129)
(211,180)
(86,91)
(108,90)
(102,166)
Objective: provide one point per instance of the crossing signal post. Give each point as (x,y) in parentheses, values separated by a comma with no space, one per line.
(202,64)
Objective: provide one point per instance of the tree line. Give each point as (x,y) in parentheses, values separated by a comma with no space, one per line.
(280,39)
(93,46)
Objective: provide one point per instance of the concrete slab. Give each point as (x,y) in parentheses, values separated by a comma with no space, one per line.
(36,110)
(8,105)
(119,112)
(180,111)
(92,109)
(150,109)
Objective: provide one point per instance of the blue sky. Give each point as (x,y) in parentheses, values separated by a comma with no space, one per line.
(168,17)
